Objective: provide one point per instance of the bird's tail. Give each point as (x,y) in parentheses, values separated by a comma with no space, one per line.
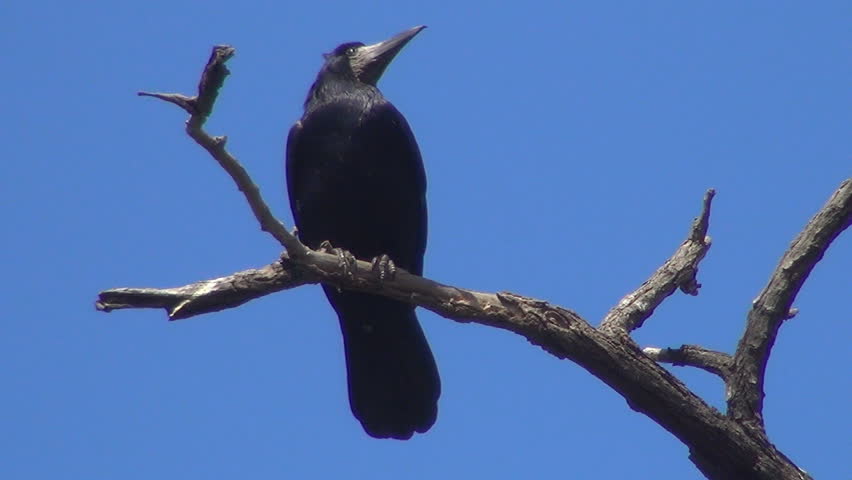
(393,380)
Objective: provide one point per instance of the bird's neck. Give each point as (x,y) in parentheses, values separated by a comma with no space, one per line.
(329,88)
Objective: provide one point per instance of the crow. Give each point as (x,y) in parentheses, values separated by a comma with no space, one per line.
(356,182)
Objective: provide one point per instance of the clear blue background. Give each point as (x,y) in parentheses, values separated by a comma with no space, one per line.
(568,145)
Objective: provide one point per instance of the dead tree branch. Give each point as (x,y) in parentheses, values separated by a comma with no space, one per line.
(679,271)
(717,363)
(206,296)
(199,108)
(775,302)
(721,446)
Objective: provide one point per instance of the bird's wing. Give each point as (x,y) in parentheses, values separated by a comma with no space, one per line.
(386,136)
(291,168)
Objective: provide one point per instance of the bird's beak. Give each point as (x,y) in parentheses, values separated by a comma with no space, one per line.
(370,61)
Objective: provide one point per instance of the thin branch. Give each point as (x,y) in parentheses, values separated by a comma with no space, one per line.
(717,363)
(773,305)
(182,101)
(206,296)
(679,271)
(199,108)
(212,80)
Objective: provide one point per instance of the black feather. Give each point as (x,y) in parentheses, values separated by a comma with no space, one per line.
(355,178)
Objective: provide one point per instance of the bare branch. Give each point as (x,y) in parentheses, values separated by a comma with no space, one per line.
(203,297)
(773,305)
(199,108)
(701,224)
(646,386)
(182,101)
(679,271)
(717,363)
(315,267)
(212,80)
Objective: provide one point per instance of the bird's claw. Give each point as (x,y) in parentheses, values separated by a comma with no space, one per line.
(383,268)
(346,262)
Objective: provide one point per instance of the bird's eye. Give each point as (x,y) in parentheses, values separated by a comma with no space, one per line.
(350,51)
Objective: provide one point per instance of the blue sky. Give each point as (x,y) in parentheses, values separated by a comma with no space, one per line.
(567,146)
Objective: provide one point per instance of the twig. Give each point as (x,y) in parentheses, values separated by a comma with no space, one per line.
(717,363)
(199,108)
(679,271)
(773,305)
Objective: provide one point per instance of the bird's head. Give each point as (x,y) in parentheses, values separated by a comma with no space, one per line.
(367,63)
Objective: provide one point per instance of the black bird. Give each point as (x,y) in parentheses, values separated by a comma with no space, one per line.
(355,179)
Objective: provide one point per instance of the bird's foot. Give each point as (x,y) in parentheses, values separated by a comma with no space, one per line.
(347,262)
(383,268)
